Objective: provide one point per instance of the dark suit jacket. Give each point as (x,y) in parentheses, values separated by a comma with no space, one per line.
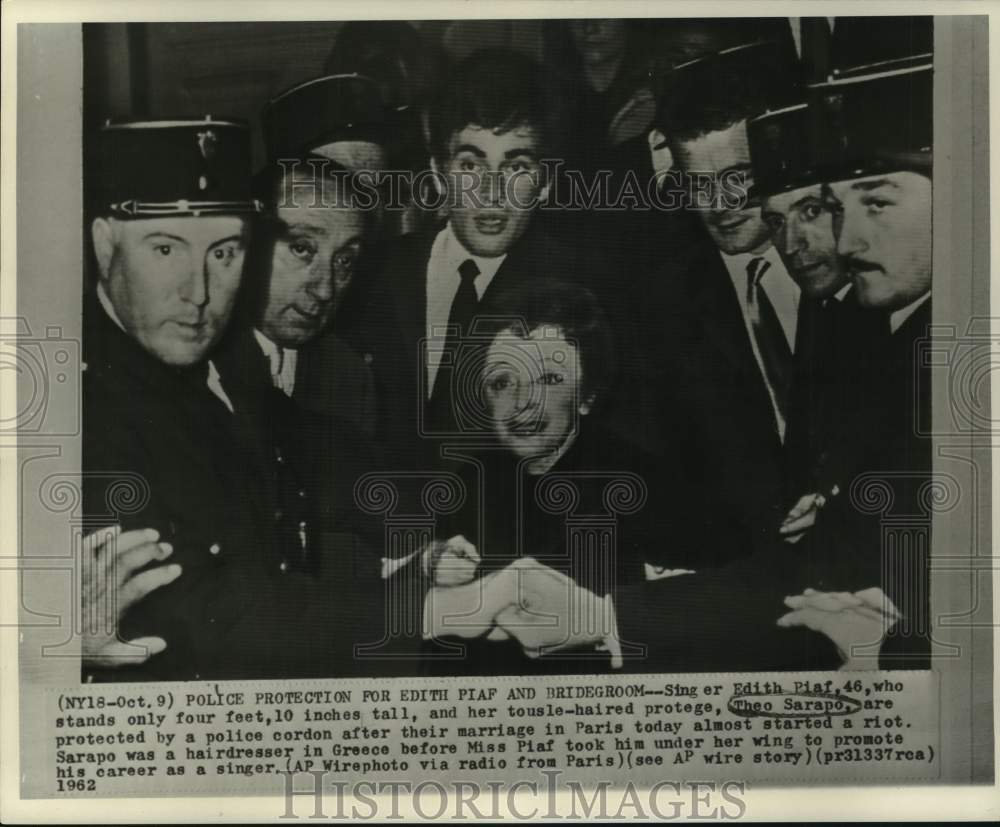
(724,619)
(713,409)
(601,512)
(394,325)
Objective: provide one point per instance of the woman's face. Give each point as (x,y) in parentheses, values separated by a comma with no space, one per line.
(532,390)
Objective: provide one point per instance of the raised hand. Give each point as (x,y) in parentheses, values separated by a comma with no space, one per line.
(110,586)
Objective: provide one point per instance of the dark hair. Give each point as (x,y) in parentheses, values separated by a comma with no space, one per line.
(573,309)
(496,89)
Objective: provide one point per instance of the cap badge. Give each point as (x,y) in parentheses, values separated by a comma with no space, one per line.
(207,144)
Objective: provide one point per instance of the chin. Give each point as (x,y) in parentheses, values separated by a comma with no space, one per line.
(179,355)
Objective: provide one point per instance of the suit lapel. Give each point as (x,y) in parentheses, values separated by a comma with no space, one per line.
(720,314)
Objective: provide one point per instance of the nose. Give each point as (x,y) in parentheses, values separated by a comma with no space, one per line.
(851,232)
(320,285)
(523,393)
(196,286)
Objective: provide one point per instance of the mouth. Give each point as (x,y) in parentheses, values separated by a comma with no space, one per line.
(311,316)
(491,225)
(192,330)
(860,269)
(527,429)
(731,224)
(810,268)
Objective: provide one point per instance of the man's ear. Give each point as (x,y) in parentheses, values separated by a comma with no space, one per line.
(587,405)
(659,151)
(102,234)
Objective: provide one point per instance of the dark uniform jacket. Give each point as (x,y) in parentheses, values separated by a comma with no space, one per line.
(836,379)
(724,619)
(276,580)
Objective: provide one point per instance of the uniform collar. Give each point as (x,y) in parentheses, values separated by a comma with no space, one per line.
(898,317)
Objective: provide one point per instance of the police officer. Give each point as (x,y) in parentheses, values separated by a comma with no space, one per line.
(168,447)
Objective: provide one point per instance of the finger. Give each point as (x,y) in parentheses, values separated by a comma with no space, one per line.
(801,523)
(801,507)
(129,540)
(877,599)
(809,618)
(820,601)
(120,653)
(142,584)
(496,633)
(136,558)
(847,599)
(794,538)
(458,543)
(96,539)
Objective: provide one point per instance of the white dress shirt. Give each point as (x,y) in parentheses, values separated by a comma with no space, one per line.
(782,292)
(443,281)
(214,381)
(283,361)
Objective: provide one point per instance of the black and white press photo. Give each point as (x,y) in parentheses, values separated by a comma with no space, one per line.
(532,404)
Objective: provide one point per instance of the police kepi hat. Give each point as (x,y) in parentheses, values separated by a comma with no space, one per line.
(322,111)
(184,167)
(780,151)
(876,121)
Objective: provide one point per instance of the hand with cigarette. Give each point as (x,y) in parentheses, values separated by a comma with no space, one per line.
(801,517)
(851,621)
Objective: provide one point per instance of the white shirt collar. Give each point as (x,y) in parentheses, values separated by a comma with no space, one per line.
(453,253)
(897,317)
(283,362)
(781,289)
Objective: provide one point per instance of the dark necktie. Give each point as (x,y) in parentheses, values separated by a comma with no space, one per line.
(772,345)
(463,311)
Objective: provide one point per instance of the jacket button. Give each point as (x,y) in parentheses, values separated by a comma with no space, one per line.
(368,358)
(278,457)
(214,549)
(283,566)
(278,514)
(302,493)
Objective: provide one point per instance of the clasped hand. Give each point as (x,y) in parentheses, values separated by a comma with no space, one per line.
(541,608)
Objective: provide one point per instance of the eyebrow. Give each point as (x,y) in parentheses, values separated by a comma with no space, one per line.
(813,196)
(514,153)
(237,238)
(472,148)
(867,186)
(303,226)
(161,234)
(357,239)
